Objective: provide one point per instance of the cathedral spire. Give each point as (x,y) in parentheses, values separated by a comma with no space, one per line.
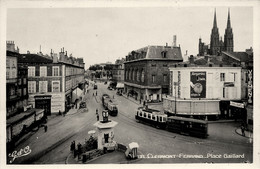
(228,21)
(215,20)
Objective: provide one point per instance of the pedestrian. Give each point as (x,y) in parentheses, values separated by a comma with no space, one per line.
(45,128)
(97,117)
(71,146)
(59,113)
(96,93)
(113,96)
(243,130)
(63,114)
(96,111)
(93,94)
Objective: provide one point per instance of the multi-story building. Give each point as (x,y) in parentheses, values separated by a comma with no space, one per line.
(146,71)
(12,97)
(208,86)
(51,81)
(118,70)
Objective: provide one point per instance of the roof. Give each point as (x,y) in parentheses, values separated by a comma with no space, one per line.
(33,58)
(10,53)
(155,52)
(240,56)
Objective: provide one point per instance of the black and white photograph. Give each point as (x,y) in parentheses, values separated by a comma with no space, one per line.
(129,83)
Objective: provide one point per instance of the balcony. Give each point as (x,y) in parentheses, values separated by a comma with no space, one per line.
(11,80)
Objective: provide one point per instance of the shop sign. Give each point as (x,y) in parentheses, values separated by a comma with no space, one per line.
(198,84)
(229,84)
(235,104)
(250,86)
(42,97)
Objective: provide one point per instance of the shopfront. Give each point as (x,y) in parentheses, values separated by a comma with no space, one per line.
(43,102)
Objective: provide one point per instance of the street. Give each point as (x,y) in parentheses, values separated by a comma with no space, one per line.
(52,147)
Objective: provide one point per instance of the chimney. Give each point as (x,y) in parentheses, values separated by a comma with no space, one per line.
(166,44)
(191,59)
(174,40)
(55,58)
(28,52)
(10,46)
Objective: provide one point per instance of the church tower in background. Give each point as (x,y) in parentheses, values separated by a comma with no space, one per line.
(214,39)
(228,37)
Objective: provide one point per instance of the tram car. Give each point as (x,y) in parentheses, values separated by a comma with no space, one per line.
(152,117)
(187,126)
(109,105)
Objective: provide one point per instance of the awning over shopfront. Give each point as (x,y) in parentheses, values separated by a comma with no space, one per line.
(120,85)
(76,94)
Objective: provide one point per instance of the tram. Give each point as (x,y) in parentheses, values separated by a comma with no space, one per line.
(152,117)
(187,126)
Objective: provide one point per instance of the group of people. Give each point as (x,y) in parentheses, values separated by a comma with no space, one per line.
(75,151)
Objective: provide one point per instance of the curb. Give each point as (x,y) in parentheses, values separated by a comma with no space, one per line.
(236,130)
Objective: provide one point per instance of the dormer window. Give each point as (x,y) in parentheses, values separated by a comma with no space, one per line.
(164,54)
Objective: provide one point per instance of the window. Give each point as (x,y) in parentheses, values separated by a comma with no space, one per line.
(138,75)
(31,71)
(43,71)
(164,78)
(153,117)
(55,86)
(153,65)
(164,54)
(19,81)
(149,116)
(55,71)
(7,74)
(31,87)
(222,77)
(24,80)
(24,91)
(153,78)
(7,63)
(43,86)
(144,114)
(142,78)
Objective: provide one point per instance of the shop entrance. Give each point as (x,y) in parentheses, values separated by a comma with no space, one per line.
(43,102)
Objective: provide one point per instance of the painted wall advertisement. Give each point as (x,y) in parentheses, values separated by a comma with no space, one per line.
(198,84)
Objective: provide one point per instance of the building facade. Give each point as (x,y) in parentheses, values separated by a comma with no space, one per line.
(51,81)
(118,71)
(146,71)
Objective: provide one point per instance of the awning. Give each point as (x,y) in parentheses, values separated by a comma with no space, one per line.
(120,85)
(76,94)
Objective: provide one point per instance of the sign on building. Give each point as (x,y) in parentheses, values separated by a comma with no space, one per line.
(198,84)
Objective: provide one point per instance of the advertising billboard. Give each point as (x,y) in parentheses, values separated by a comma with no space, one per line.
(198,84)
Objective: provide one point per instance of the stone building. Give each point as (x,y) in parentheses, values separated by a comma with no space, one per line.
(146,71)
(52,80)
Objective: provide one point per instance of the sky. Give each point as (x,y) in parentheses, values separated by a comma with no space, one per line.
(103,34)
